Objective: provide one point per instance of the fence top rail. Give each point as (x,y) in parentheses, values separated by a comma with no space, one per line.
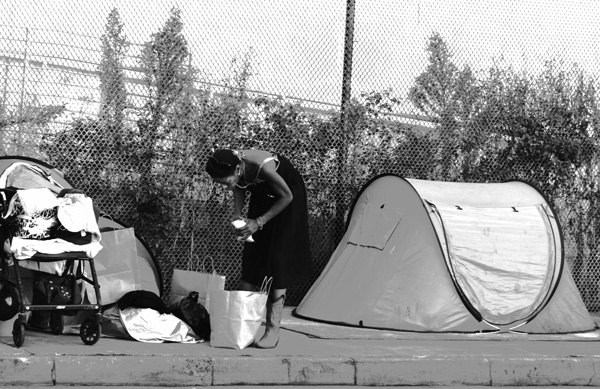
(427,122)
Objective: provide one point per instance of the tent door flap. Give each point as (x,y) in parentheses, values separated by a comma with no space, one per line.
(375,226)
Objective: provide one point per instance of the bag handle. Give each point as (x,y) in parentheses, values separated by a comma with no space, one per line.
(266,285)
(202,266)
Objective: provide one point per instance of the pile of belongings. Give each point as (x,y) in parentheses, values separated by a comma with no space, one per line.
(143,316)
(42,216)
(38,215)
(41,221)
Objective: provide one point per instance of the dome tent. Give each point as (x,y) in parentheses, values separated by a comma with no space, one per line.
(433,256)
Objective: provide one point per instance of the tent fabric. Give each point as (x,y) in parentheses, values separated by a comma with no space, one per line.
(25,173)
(28,175)
(435,256)
(500,258)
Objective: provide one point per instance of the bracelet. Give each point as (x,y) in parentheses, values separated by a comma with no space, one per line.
(260,223)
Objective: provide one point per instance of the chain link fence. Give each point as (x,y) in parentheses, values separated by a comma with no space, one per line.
(128,99)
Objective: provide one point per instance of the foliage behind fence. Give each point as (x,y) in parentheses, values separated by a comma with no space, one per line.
(132,122)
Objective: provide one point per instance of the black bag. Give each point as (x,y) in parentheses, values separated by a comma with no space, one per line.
(192,313)
(51,289)
(142,299)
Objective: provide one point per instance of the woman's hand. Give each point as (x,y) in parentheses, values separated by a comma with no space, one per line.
(252,226)
(246,230)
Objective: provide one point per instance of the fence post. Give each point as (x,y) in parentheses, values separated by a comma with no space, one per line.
(342,155)
(348,51)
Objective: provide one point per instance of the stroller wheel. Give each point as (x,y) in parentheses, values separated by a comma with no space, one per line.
(18,332)
(90,331)
(56,323)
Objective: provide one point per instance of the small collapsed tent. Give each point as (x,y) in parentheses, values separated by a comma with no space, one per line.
(26,173)
(433,256)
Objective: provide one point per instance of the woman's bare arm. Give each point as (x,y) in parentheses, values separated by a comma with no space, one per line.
(283,197)
(239,196)
(283,194)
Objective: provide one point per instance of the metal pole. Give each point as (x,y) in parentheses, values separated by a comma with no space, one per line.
(342,154)
(348,51)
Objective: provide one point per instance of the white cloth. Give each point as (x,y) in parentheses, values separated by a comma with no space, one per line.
(149,325)
(27,248)
(76,214)
(36,200)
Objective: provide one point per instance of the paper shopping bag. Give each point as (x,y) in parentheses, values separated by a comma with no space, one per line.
(236,316)
(201,281)
(116,265)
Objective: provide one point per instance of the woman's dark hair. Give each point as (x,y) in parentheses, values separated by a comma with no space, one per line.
(222,163)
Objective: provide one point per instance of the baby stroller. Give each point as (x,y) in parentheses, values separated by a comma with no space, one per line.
(60,289)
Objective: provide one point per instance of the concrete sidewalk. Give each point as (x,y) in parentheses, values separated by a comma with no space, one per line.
(299,359)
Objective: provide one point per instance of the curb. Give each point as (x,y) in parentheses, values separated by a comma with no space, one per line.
(156,370)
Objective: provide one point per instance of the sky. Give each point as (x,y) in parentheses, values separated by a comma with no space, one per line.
(297,45)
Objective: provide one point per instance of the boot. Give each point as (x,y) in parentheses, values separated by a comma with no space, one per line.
(274,313)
